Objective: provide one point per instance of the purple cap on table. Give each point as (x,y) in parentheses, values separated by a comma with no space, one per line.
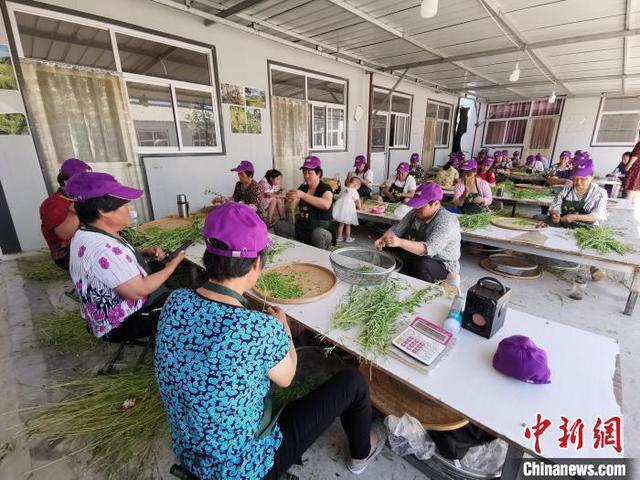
(415,158)
(244,166)
(403,167)
(360,161)
(311,162)
(518,357)
(239,227)
(469,165)
(582,168)
(88,185)
(71,166)
(426,193)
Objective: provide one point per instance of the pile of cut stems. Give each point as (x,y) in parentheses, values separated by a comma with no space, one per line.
(474,220)
(602,239)
(167,239)
(280,285)
(41,268)
(65,331)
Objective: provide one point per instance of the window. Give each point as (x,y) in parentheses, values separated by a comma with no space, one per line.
(327,99)
(441,112)
(618,121)
(171,87)
(393,110)
(507,122)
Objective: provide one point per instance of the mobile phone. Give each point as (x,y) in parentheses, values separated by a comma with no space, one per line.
(182,247)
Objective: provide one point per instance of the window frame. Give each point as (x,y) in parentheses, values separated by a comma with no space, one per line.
(596,127)
(442,120)
(389,113)
(113,27)
(314,147)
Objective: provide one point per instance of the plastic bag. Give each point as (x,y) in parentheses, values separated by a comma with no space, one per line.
(487,458)
(407,437)
(401,211)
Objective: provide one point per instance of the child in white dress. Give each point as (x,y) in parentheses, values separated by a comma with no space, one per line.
(346,207)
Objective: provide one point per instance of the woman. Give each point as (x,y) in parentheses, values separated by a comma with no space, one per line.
(402,187)
(364,174)
(120,296)
(314,199)
(216,360)
(486,172)
(272,196)
(58,219)
(416,170)
(560,174)
(580,203)
(621,170)
(247,190)
(472,194)
(482,154)
(516,161)
(534,164)
(632,177)
(448,176)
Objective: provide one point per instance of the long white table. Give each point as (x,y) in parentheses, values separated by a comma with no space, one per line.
(583,366)
(559,243)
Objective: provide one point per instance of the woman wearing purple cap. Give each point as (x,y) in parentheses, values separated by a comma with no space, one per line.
(313,200)
(448,176)
(401,187)
(121,297)
(581,203)
(216,360)
(534,163)
(472,194)
(516,159)
(416,170)
(486,171)
(560,174)
(364,174)
(247,190)
(427,238)
(58,219)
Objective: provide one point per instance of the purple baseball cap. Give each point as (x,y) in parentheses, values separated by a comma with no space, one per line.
(539,156)
(88,185)
(577,153)
(488,161)
(71,166)
(582,168)
(565,153)
(360,160)
(469,165)
(239,227)
(414,158)
(311,163)
(516,153)
(518,357)
(244,166)
(427,192)
(505,153)
(530,159)
(403,167)
(497,154)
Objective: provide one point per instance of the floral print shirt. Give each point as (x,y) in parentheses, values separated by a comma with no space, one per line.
(98,264)
(251,195)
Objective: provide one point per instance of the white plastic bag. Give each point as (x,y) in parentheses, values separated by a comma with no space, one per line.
(407,437)
(487,458)
(401,211)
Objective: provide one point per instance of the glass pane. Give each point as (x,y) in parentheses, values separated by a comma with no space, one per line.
(197,119)
(379,132)
(432,110)
(318,126)
(509,110)
(444,136)
(59,41)
(543,107)
(444,113)
(155,59)
(335,127)
(152,114)
(325,91)
(621,104)
(284,84)
(621,128)
(400,104)
(515,132)
(380,101)
(495,133)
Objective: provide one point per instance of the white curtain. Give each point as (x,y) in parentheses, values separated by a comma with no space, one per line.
(290,124)
(82,113)
(540,136)
(430,131)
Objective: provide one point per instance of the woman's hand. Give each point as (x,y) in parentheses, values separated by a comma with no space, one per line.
(175,261)
(218,200)
(155,253)
(392,240)
(478,200)
(570,218)
(280,315)
(555,217)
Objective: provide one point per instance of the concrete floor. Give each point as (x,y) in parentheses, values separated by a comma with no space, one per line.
(24,370)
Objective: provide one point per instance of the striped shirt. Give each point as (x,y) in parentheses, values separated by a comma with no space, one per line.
(595,200)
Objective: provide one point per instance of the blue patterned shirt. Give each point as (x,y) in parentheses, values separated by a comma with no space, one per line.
(211,363)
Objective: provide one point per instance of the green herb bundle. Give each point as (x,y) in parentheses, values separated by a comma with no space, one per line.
(64,331)
(528,193)
(279,285)
(41,269)
(474,220)
(391,208)
(297,389)
(602,239)
(168,240)
(277,249)
(377,311)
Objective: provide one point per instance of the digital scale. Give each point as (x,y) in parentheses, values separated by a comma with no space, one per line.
(423,340)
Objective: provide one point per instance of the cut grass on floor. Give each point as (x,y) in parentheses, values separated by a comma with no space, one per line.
(64,331)
(41,269)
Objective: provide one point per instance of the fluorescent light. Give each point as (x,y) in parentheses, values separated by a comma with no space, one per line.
(515,75)
(428,8)
(552,97)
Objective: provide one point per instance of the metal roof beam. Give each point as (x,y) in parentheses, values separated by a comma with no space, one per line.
(539,83)
(529,46)
(625,46)
(234,10)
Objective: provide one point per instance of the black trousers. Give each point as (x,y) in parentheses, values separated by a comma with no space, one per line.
(345,395)
(425,268)
(141,324)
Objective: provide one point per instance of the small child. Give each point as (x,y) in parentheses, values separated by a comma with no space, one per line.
(345,209)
